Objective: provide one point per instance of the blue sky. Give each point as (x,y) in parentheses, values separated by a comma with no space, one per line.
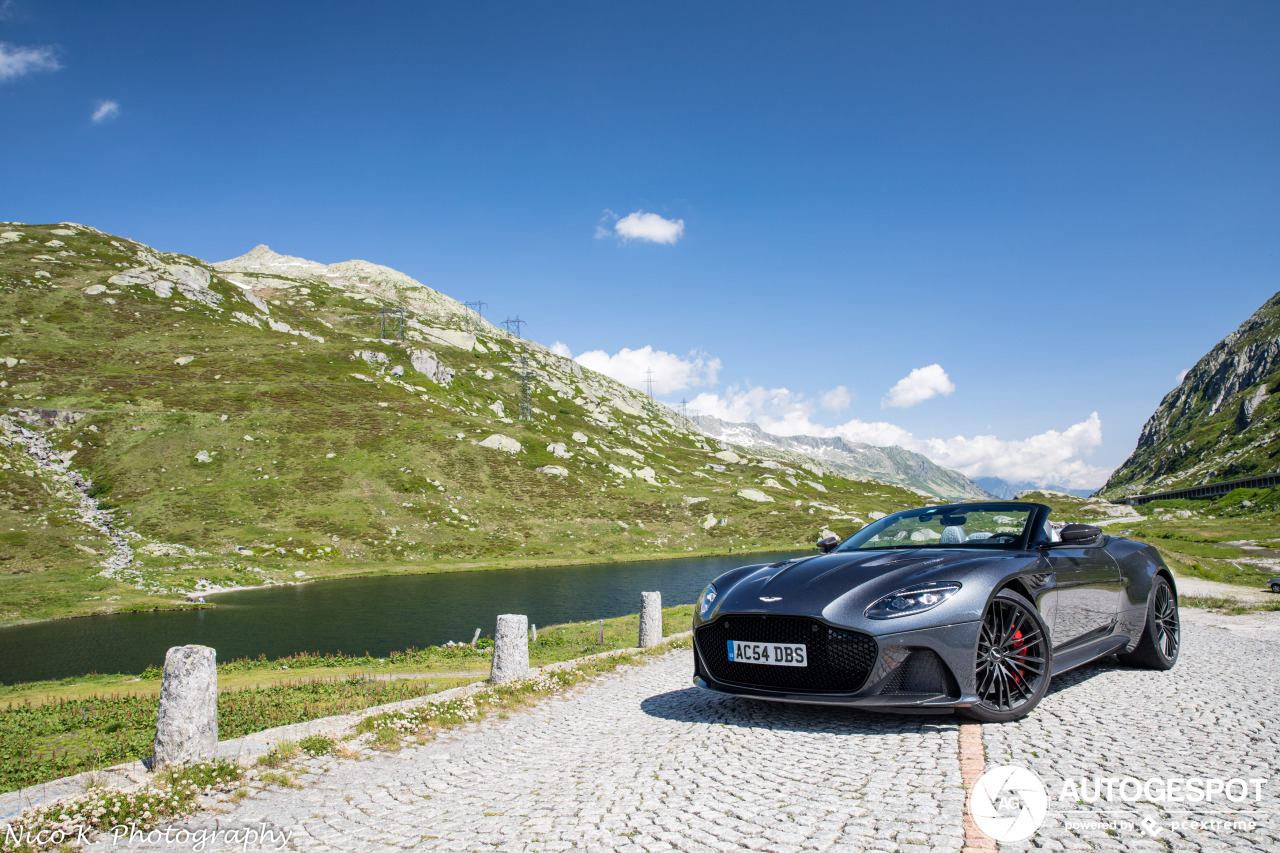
(1060,205)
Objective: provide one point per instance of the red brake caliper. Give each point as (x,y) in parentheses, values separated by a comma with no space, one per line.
(1019,647)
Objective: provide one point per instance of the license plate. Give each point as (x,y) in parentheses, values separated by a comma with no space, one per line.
(772,654)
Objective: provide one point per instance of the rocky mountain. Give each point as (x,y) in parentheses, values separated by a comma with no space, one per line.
(1004,490)
(851,459)
(1222,422)
(171,426)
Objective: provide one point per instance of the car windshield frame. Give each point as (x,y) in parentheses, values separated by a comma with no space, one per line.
(1036,514)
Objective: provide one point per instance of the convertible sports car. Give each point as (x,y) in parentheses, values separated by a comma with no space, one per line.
(972,607)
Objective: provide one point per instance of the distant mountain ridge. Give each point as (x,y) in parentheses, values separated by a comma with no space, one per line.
(1222,422)
(1004,490)
(892,464)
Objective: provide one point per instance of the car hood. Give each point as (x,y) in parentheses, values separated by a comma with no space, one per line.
(839,587)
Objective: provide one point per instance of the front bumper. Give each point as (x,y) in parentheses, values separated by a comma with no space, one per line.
(922,669)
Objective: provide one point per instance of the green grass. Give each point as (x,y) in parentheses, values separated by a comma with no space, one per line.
(1231,606)
(54,729)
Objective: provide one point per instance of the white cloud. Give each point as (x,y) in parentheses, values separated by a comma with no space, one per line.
(917,386)
(1182,374)
(16,61)
(774,409)
(1048,457)
(562,349)
(106,110)
(649,227)
(671,373)
(836,399)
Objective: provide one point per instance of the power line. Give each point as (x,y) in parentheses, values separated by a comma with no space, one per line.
(648,382)
(517,323)
(478,307)
(397,315)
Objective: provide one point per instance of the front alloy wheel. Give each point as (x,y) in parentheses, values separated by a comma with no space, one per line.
(1011,669)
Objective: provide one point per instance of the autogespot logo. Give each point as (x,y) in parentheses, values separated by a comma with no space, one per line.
(1009,803)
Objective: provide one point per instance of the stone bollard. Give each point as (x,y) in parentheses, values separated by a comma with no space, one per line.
(187,722)
(510,649)
(650,619)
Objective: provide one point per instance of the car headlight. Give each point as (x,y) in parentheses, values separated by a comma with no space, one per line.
(912,600)
(708,601)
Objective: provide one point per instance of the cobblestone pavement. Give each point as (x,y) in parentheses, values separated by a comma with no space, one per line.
(1216,714)
(639,761)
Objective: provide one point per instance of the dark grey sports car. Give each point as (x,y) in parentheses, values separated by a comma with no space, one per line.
(970,606)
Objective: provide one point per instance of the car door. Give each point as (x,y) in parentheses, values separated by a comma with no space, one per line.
(1088,588)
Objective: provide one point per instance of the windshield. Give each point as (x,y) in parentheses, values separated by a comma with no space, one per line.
(944,527)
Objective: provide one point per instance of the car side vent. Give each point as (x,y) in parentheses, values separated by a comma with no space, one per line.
(922,674)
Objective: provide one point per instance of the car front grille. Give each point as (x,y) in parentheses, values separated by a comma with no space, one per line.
(838,660)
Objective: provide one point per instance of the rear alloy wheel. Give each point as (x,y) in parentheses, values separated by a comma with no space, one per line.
(1011,668)
(1162,637)
(1275,587)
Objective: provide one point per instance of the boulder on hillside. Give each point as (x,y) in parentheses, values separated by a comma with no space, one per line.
(728,456)
(553,470)
(755,495)
(425,362)
(506,443)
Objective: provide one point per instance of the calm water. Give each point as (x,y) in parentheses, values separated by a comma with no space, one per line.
(375,615)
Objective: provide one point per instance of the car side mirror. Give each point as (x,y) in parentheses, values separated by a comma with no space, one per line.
(827,544)
(1079,534)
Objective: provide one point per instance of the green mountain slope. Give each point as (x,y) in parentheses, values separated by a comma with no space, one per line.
(1221,423)
(172,426)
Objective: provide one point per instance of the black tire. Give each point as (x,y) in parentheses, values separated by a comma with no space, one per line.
(1013,661)
(1162,636)
(1275,587)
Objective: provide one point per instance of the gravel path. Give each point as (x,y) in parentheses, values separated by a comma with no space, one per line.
(638,761)
(1215,714)
(1215,589)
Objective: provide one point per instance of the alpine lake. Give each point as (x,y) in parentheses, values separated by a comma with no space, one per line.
(374,615)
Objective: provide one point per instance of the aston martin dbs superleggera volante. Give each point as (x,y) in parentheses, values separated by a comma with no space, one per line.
(972,607)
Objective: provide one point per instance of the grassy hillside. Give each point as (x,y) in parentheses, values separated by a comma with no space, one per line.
(1221,423)
(1234,539)
(323,461)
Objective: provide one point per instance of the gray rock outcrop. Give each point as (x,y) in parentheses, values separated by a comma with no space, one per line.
(425,362)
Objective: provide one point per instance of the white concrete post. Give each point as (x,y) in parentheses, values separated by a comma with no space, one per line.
(510,649)
(650,619)
(187,722)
